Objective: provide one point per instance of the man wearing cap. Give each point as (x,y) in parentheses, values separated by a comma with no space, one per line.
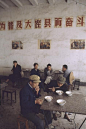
(30,103)
(60,84)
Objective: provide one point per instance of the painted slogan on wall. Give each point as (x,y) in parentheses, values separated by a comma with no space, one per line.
(80,22)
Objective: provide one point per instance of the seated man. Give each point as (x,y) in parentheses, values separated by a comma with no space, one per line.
(16,72)
(35,70)
(60,84)
(66,73)
(48,74)
(30,103)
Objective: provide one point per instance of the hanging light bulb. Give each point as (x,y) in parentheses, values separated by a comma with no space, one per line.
(65,0)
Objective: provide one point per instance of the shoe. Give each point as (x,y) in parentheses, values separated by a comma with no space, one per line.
(66,117)
(54,116)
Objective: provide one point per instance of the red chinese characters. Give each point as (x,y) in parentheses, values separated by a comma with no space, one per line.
(28,24)
(10,25)
(19,25)
(37,23)
(69,21)
(2,25)
(58,22)
(47,23)
(80,21)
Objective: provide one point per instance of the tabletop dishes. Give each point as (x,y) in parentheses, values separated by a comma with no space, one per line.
(59,92)
(48,98)
(69,93)
(61,102)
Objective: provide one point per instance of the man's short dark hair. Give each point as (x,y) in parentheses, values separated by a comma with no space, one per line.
(14,61)
(48,65)
(65,66)
(35,64)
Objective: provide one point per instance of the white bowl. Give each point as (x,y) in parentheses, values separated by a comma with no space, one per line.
(61,102)
(59,92)
(69,93)
(49,98)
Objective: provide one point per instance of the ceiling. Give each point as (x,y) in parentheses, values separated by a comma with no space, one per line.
(6,4)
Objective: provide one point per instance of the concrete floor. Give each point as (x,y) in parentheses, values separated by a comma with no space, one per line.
(9,114)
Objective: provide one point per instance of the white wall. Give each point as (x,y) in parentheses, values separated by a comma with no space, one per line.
(60,52)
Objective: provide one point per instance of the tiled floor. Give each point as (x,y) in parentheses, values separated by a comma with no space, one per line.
(9,114)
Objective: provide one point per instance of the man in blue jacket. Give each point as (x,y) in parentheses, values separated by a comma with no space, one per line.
(35,70)
(16,73)
(30,103)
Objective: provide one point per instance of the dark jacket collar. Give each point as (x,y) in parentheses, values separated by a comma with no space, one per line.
(30,88)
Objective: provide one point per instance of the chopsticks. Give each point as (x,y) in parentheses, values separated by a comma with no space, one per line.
(54,87)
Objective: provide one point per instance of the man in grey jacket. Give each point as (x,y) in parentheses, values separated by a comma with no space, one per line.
(66,73)
(48,74)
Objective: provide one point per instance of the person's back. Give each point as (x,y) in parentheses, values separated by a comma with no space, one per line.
(66,73)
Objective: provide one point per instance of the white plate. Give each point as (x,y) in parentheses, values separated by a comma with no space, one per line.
(59,92)
(61,102)
(69,93)
(49,98)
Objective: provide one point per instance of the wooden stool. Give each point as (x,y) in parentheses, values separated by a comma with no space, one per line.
(23,120)
(9,91)
(17,83)
(70,87)
(76,82)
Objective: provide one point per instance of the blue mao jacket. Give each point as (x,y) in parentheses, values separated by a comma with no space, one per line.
(27,100)
(35,72)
